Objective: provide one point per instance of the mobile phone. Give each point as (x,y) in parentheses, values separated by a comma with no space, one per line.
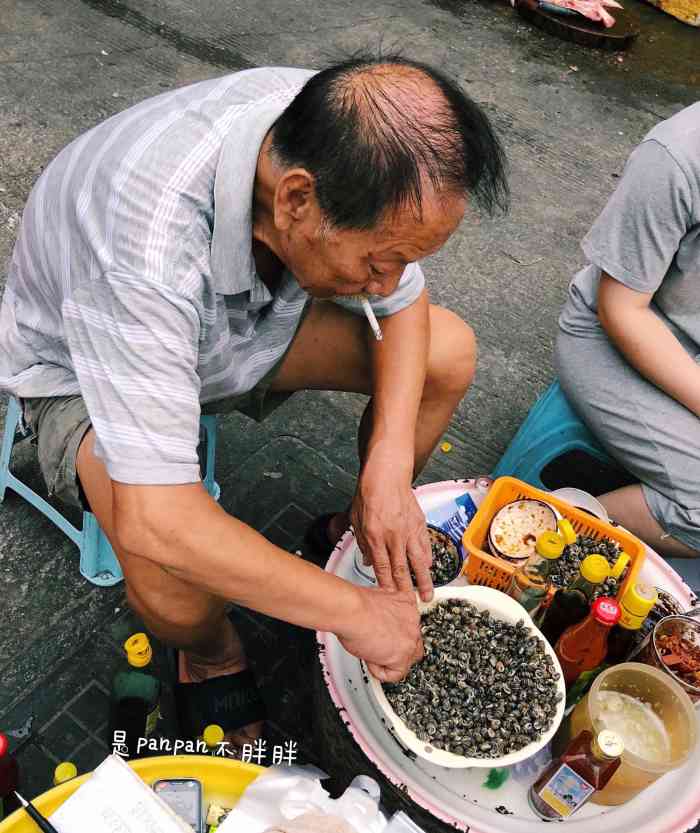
(183,796)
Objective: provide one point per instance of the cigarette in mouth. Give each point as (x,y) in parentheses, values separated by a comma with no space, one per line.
(371,317)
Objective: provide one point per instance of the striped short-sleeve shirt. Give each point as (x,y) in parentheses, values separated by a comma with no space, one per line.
(133,283)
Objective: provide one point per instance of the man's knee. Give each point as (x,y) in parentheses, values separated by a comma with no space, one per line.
(165,613)
(453,353)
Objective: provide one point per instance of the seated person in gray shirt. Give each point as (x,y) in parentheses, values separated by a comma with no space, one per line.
(199,252)
(628,353)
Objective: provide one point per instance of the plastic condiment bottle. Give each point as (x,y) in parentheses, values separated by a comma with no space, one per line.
(586,766)
(9,776)
(571,605)
(135,703)
(584,646)
(65,771)
(530,582)
(635,605)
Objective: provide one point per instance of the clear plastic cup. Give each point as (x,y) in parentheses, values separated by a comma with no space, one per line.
(669,703)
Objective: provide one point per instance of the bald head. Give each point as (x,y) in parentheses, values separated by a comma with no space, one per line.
(379,135)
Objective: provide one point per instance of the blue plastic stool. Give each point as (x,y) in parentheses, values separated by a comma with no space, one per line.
(97,560)
(550,429)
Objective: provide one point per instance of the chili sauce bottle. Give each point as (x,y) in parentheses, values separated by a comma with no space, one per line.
(635,605)
(573,603)
(586,766)
(584,646)
(9,776)
(135,701)
(531,581)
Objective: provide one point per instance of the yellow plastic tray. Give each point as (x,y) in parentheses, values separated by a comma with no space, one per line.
(223,782)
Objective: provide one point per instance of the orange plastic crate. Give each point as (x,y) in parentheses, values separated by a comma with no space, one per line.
(483,568)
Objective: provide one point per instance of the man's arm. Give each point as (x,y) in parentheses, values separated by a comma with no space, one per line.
(647,343)
(185,531)
(386,515)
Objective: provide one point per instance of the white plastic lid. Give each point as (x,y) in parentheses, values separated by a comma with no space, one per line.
(610,743)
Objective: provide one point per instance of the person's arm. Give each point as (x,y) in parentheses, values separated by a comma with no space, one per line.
(647,343)
(387,519)
(184,530)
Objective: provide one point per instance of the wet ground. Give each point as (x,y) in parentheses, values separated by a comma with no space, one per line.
(568,117)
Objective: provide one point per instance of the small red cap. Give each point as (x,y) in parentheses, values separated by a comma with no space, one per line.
(606,611)
(4,745)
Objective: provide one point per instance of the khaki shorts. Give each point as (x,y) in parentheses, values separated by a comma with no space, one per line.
(58,425)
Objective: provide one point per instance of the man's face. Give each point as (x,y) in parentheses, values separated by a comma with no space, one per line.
(371,262)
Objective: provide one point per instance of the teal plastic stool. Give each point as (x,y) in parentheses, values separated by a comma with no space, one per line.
(551,429)
(97,560)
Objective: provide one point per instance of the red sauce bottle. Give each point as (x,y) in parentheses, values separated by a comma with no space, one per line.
(9,775)
(584,646)
(586,766)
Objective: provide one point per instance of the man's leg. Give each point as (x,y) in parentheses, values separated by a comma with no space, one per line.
(331,352)
(172,610)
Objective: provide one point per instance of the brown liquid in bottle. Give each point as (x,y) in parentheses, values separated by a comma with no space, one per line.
(586,766)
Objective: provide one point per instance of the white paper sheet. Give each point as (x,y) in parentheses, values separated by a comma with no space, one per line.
(116,800)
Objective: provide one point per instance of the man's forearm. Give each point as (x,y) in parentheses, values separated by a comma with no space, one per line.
(653,350)
(182,529)
(399,365)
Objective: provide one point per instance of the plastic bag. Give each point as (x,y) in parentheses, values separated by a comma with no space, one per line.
(285,794)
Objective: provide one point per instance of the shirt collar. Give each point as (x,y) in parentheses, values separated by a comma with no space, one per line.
(232,263)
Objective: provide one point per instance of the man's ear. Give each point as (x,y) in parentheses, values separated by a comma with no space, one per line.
(295,198)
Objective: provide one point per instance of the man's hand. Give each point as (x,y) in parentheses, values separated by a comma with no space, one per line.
(387,633)
(390,527)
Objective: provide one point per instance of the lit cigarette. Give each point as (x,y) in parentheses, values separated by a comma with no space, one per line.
(371,317)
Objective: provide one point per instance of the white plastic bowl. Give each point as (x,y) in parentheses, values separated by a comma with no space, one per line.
(501,607)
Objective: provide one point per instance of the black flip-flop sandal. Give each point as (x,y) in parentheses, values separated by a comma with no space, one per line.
(232,702)
(317,544)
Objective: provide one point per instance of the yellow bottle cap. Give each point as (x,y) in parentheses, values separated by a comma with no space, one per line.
(618,567)
(549,545)
(567,531)
(138,650)
(213,735)
(636,604)
(595,568)
(64,772)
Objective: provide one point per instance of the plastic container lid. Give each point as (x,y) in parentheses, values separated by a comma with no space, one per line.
(213,735)
(610,743)
(567,530)
(549,545)
(618,567)
(639,599)
(4,745)
(138,650)
(595,568)
(606,611)
(64,772)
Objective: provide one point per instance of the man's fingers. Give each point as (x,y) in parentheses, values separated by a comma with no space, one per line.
(387,674)
(382,569)
(399,567)
(424,581)
(419,653)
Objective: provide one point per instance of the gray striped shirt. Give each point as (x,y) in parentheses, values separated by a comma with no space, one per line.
(132,280)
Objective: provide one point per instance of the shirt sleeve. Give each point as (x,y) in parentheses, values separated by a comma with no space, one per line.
(636,237)
(406,293)
(134,346)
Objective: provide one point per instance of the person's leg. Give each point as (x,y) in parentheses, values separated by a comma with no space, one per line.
(653,437)
(331,352)
(174,611)
(628,507)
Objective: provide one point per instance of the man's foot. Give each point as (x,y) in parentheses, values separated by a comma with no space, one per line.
(323,534)
(192,669)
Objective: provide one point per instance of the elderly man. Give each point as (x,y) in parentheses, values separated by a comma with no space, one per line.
(199,253)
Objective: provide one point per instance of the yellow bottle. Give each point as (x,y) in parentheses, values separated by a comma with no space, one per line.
(65,771)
